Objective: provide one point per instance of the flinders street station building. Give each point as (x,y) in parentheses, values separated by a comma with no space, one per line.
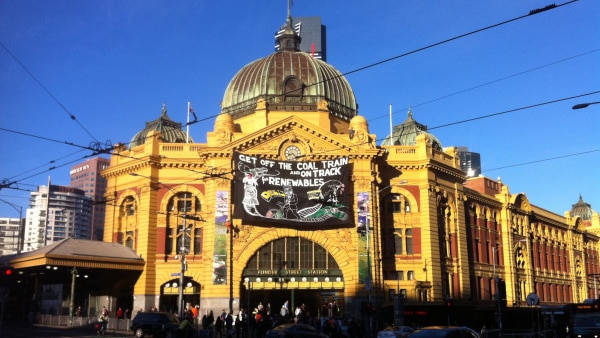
(291,199)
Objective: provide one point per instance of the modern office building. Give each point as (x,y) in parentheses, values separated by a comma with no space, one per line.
(470,162)
(86,176)
(11,230)
(313,35)
(56,212)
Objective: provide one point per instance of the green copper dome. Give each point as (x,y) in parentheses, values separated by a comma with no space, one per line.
(289,80)
(170,130)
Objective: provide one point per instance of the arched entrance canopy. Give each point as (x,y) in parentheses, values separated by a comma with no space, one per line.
(292,263)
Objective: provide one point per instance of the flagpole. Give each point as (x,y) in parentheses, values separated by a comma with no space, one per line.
(187,125)
(391,127)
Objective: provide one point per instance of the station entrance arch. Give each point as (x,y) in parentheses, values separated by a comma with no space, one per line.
(296,270)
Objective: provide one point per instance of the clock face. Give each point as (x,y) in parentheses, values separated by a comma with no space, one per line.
(292,153)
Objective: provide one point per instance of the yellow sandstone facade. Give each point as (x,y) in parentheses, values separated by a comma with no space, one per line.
(404,218)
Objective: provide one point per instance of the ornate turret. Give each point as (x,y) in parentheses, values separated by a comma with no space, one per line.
(406,134)
(582,209)
(170,130)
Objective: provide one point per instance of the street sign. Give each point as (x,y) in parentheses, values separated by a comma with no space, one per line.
(175,274)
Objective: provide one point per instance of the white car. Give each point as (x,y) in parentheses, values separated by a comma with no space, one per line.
(395,332)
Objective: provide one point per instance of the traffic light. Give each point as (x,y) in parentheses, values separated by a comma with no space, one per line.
(370,310)
(7,275)
(8,271)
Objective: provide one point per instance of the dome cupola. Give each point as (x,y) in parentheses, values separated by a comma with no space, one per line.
(582,209)
(170,131)
(289,80)
(406,134)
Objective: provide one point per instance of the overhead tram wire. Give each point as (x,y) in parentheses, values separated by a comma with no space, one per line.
(94,146)
(532,12)
(8,183)
(50,162)
(488,83)
(482,117)
(514,110)
(62,106)
(544,160)
(221,174)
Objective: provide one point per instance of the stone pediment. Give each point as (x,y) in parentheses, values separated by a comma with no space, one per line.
(294,139)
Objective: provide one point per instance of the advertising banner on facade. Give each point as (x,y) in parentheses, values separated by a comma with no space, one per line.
(303,192)
(220,257)
(363,201)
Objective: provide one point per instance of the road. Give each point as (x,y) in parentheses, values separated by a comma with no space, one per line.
(10,330)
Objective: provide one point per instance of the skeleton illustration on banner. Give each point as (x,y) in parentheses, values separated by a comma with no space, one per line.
(297,191)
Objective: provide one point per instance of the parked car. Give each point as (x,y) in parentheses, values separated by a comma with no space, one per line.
(295,331)
(153,323)
(444,332)
(395,332)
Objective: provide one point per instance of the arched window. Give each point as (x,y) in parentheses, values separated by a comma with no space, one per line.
(399,204)
(184,226)
(184,202)
(128,206)
(293,87)
(293,253)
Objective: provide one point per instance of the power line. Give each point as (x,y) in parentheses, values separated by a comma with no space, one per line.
(73,117)
(488,83)
(543,160)
(214,171)
(514,110)
(96,148)
(532,12)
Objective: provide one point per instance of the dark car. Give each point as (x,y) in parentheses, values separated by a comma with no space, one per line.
(395,332)
(295,331)
(153,323)
(444,332)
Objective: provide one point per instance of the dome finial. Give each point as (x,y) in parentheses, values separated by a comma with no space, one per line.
(289,10)
(164,108)
(286,38)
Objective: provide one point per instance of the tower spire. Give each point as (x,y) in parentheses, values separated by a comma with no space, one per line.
(286,38)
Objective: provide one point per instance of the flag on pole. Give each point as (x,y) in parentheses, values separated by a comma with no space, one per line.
(191,110)
(187,125)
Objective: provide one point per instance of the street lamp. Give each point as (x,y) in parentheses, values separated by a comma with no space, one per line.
(20,232)
(233,232)
(584,105)
(72,300)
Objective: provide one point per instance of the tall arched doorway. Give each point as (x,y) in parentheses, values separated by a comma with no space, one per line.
(169,294)
(297,270)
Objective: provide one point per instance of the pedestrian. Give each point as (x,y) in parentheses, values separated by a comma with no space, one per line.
(285,310)
(229,325)
(219,327)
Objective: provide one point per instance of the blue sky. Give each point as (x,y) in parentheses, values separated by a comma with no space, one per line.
(112,64)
